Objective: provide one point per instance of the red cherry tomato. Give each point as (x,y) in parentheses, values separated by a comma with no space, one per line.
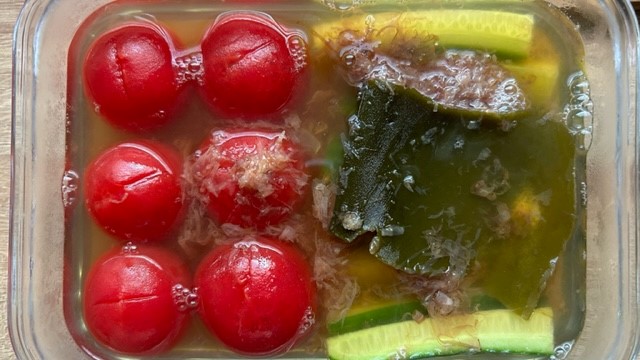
(250,178)
(256,295)
(252,65)
(134,300)
(129,75)
(133,191)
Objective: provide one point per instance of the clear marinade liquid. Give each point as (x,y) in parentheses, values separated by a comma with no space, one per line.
(317,120)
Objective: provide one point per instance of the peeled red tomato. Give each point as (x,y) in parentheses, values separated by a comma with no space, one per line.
(253,66)
(129,76)
(253,179)
(130,301)
(133,190)
(256,295)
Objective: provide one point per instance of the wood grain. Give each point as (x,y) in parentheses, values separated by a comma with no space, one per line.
(9,10)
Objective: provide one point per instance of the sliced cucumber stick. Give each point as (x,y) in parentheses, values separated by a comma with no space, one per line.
(504,33)
(379,314)
(493,330)
(539,80)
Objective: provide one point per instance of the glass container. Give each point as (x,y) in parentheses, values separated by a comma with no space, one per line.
(47,264)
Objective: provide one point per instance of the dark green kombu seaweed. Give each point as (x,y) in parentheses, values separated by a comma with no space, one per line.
(446,194)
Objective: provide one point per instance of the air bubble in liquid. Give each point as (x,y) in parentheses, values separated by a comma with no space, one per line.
(583,193)
(510,89)
(349,59)
(580,87)
(579,119)
(189,68)
(578,83)
(308,320)
(195,63)
(561,351)
(184,298)
(339,5)
(70,181)
(298,51)
(129,248)
(578,112)
(581,101)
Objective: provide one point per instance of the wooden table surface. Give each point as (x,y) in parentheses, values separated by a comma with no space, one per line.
(9,10)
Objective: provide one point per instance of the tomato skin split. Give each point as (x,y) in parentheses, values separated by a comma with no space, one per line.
(253,67)
(252,179)
(256,295)
(134,192)
(129,75)
(130,299)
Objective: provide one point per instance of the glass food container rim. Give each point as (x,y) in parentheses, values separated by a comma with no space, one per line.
(25,53)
